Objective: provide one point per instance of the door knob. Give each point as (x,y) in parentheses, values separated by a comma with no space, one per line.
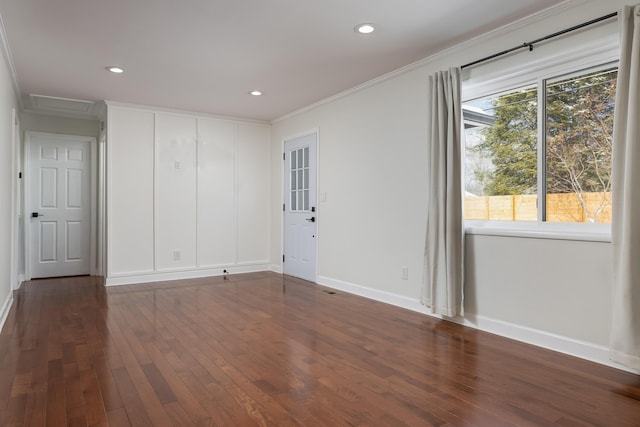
(36,214)
(312,219)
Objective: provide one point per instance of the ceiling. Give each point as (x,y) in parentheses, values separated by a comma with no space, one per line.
(207,55)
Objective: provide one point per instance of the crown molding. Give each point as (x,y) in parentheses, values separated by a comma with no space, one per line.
(500,31)
(196,114)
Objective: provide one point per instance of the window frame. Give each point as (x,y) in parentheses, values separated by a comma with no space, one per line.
(596,55)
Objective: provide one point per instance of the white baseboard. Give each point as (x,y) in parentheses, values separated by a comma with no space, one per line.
(582,349)
(4,312)
(132,279)
(20,279)
(276,268)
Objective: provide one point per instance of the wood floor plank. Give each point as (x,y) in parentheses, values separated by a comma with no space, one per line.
(247,396)
(174,381)
(56,402)
(35,411)
(147,396)
(132,400)
(109,393)
(264,349)
(73,388)
(95,409)
(118,418)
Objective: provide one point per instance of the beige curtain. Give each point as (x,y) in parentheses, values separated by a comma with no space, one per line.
(625,221)
(442,289)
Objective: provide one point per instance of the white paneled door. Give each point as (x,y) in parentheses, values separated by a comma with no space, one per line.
(300,215)
(59,203)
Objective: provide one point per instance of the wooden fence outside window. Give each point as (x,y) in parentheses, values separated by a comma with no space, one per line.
(560,207)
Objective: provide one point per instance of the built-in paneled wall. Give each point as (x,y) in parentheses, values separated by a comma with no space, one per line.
(176,192)
(130,152)
(217,193)
(187,195)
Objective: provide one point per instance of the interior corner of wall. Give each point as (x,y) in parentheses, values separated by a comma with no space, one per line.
(6,307)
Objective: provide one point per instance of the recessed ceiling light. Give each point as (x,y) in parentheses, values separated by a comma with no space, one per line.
(365,28)
(114,69)
(255,93)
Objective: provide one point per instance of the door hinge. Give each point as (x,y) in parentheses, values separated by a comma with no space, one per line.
(283,156)
(282,257)
(19,175)
(283,207)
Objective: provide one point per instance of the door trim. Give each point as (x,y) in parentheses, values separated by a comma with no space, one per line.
(27,194)
(15,200)
(283,194)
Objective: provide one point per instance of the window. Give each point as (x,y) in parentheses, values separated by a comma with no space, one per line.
(299,187)
(542,152)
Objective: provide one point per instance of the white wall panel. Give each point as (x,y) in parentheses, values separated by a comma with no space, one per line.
(48,249)
(216,193)
(130,191)
(175,209)
(49,187)
(49,153)
(74,239)
(253,193)
(74,188)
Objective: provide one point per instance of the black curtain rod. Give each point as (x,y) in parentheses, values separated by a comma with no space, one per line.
(531,43)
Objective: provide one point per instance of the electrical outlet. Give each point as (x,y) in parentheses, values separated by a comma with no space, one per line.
(176,255)
(404,272)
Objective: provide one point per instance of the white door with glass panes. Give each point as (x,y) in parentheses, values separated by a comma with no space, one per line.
(59,203)
(300,213)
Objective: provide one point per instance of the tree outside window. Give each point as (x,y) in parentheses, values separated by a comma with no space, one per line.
(502,162)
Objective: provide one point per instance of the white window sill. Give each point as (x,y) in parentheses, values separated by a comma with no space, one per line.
(536,230)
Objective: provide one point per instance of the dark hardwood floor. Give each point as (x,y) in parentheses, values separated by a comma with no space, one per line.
(263,349)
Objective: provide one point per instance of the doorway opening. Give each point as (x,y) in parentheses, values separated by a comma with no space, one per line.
(300,207)
(60,205)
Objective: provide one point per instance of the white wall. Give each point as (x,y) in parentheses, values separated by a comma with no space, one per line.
(8,104)
(130,186)
(187,195)
(558,286)
(373,169)
(176,192)
(53,124)
(217,167)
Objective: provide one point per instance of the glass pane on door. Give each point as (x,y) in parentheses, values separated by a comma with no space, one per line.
(299,183)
